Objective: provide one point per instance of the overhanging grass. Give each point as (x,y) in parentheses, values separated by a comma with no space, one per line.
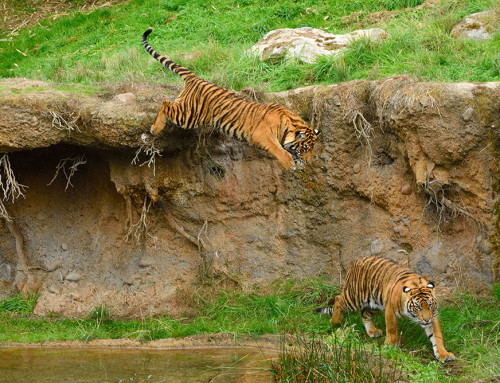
(211,39)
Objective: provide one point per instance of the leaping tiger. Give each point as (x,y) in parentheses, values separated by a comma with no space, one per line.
(203,104)
(374,283)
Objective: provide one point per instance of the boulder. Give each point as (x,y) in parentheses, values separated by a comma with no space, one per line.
(478,26)
(307,44)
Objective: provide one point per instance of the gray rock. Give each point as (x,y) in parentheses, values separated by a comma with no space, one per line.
(475,26)
(467,114)
(73,277)
(377,246)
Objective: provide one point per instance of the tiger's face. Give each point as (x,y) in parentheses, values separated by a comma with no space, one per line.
(421,305)
(299,142)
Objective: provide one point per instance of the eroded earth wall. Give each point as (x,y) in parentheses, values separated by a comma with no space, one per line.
(403,169)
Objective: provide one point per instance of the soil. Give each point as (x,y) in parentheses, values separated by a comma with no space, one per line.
(403,169)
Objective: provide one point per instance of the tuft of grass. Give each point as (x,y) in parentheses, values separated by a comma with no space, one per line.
(20,304)
(340,359)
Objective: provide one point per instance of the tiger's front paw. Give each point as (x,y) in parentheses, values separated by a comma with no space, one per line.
(393,341)
(286,161)
(375,333)
(445,356)
(145,137)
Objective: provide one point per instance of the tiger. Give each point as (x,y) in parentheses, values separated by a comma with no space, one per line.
(374,283)
(201,103)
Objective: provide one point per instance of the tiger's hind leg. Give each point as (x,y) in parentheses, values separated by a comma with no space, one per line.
(168,110)
(337,310)
(366,317)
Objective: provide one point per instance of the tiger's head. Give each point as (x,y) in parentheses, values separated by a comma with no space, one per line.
(298,139)
(421,305)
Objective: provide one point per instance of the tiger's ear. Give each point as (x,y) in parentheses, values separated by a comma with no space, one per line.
(406,289)
(317,132)
(431,285)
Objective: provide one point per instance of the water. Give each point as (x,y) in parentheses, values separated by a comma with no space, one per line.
(41,365)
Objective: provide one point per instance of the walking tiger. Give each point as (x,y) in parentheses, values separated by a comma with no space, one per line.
(374,283)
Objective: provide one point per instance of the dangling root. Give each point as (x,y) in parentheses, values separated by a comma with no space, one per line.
(10,187)
(150,150)
(76,161)
(139,228)
(199,242)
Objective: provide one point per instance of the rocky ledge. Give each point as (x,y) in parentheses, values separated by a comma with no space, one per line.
(403,169)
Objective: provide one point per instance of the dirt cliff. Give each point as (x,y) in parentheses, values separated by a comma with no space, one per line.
(403,169)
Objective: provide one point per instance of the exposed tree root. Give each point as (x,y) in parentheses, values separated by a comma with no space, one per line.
(61,123)
(207,253)
(150,150)
(140,228)
(74,162)
(443,207)
(10,187)
(128,205)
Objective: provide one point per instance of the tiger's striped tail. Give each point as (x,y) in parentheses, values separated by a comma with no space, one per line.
(169,64)
(325,310)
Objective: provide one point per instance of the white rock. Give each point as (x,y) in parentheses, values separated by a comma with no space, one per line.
(307,44)
(126,98)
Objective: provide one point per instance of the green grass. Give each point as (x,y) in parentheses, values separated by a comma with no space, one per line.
(19,304)
(470,326)
(104,45)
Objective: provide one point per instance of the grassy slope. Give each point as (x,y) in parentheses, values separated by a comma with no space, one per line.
(470,326)
(104,45)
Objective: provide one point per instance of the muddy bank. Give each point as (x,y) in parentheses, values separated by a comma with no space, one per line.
(403,169)
(220,340)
